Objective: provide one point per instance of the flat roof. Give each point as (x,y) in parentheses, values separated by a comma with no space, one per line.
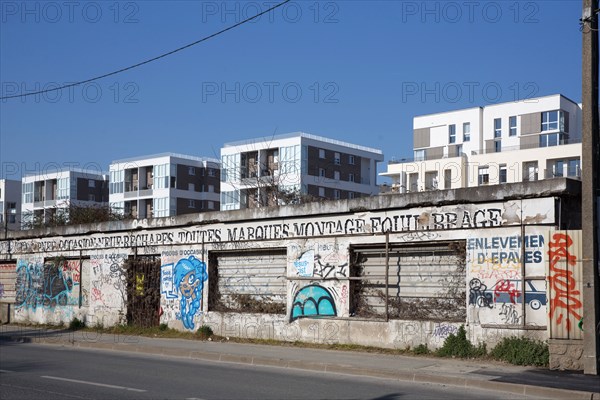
(167,154)
(496,104)
(306,136)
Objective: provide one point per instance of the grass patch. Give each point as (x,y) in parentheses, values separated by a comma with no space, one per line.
(522,351)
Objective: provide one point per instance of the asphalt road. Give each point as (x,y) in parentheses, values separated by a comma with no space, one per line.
(30,371)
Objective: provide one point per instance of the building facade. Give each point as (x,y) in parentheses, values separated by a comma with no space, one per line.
(164,185)
(45,195)
(10,204)
(511,142)
(282,169)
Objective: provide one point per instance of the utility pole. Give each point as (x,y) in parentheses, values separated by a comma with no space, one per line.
(590,186)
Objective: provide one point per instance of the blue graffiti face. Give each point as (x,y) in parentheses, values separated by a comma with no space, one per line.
(313,301)
(189,276)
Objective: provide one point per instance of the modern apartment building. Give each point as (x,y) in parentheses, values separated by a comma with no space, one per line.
(43,195)
(254,172)
(10,204)
(517,141)
(164,185)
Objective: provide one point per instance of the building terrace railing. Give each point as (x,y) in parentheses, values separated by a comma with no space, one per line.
(405,160)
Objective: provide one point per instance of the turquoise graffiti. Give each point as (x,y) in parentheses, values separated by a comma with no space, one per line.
(42,285)
(185,280)
(313,301)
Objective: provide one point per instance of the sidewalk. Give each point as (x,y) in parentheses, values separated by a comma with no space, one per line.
(469,374)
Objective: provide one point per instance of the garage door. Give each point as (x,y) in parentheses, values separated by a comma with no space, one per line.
(248,281)
(424,282)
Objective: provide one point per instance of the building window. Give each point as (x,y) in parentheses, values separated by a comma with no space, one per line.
(557,168)
(322,172)
(466,132)
(459,150)
(321,153)
(549,140)
(447,179)
(336,159)
(498,146)
(211,188)
(91,197)
(336,175)
(452,133)
(351,159)
(484,176)
(201,174)
(512,126)
(530,171)
(350,177)
(191,170)
(191,203)
(419,155)
(212,172)
(321,192)
(502,175)
(573,168)
(28,192)
(551,120)
(91,183)
(350,195)
(63,191)
(497,128)
(191,187)
(211,205)
(336,194)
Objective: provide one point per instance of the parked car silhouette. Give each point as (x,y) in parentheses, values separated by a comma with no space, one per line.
(509,291)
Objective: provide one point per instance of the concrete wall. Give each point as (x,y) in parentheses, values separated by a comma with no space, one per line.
(317,272)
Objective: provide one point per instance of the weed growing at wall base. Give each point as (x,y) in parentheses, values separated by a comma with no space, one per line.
(522,351)
(459,346)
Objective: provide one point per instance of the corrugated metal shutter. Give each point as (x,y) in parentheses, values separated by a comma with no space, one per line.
(8,278)
(255,275)
(425,281)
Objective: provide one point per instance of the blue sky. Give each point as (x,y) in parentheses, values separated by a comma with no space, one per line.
(357,71)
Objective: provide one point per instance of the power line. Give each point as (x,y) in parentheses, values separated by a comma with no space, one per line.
(151,59)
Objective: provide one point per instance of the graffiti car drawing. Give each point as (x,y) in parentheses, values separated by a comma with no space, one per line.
(510,291)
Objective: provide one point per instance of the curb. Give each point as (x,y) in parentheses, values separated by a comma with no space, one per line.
(514,388)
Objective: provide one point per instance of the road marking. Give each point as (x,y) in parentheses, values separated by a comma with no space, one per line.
(4,371)
(92,383)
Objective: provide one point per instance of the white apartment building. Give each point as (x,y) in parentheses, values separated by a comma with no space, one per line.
(10,204)
(298,163)
(510,142)
(164,185)
(45,194)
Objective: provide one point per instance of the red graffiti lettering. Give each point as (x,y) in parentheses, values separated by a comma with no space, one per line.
(96,294)
(562,283)
(506,286)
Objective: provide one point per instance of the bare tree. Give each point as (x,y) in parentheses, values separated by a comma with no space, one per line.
(71,215)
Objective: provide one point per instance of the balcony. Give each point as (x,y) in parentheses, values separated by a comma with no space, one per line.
(574,173)
(527,147)
(407,160)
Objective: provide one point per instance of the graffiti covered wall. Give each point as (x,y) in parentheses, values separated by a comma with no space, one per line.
(299,277)
(51,290)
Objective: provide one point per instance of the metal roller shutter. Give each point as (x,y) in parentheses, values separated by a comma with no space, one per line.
(424,281)
(250,281)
